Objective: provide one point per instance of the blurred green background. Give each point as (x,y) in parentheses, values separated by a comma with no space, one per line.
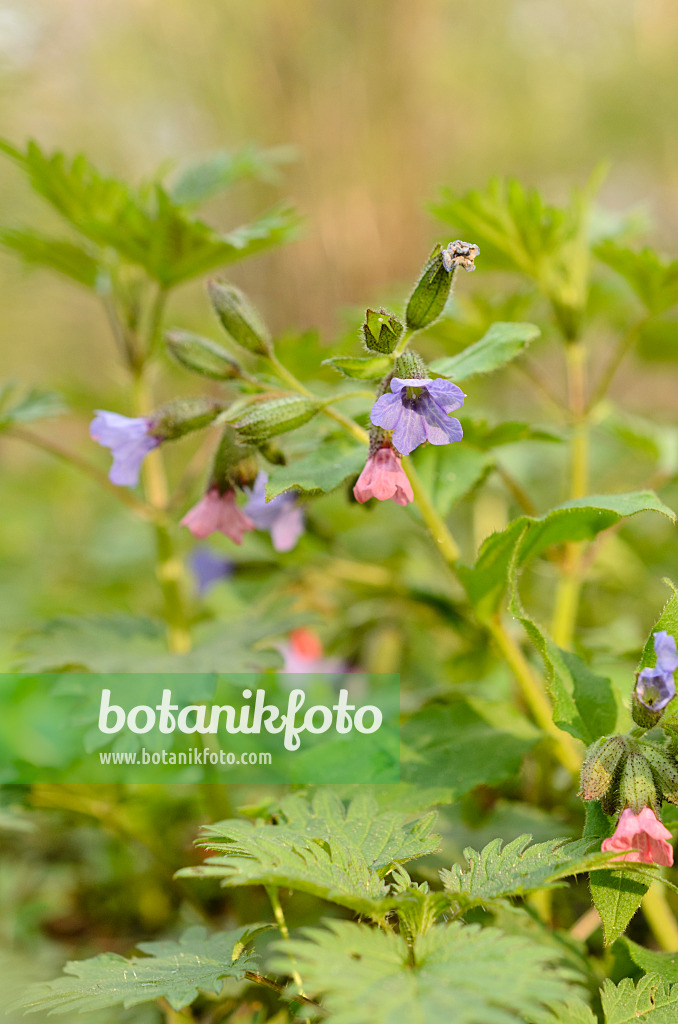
(384,101)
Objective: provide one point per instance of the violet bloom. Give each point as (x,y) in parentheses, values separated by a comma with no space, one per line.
(655,686)
(209,568)
(643,836)
(416,412)
(382,478)
(282,516)
(217,511)
(130,440)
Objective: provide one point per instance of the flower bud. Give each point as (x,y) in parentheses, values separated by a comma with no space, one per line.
(239,318)
(665,768)
(183,417)
(643,716)
(381,331)
(604,761)
(201,355)
(266,419)
(410,366)
(637,787)
(235,465)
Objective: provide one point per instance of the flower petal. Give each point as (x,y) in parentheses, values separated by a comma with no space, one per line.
(386,411)
(446,394)
(410,430)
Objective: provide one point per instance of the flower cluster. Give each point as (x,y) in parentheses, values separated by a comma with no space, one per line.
(417,411)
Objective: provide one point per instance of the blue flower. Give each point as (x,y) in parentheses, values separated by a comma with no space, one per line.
(130,440)
(416,412)
(656,686)
(208,568)
(282,516)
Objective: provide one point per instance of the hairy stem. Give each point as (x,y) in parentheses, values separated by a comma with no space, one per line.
(445,542)
(272,893)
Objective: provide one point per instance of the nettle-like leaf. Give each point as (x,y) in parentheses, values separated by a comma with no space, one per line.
(502,343)
(17,407)
(616,894)
(651,1001)
(319,472)
(665,965)
(175,971)
(457,973)
(518,869)
(144,226)
(527,536)
(68,258)
(574,1011)
(202,179)
(654,280)
(321,847)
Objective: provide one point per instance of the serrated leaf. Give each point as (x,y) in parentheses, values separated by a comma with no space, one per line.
(201,179)
(651,1001)
(574,1011)
(360,367)
(665,965)
(655,281)
(18,408)
(464,744)
(57,254)
(500,345)
(581,519)
(455,973)
(321,847)
(518,869)
(175,971)
(319,472)
(616,894)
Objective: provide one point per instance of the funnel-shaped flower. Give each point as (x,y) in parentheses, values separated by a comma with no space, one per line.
(130,440)
(641,838)
(417,411)
(382,478)
(217,511)
(656,686)
(282,516)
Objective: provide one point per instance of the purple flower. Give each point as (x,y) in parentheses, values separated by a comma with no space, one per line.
(208,568)
(655,686)
(282,516)
(416,412)
(130,440)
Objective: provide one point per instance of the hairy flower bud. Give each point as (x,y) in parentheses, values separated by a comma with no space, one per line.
(604,760)
(234,464)
(381,331)
(266,419)
(430,294)
(239,318)
(410,366)
(665,768)
(643,716)
(183,416)
(202,355)
(637,787)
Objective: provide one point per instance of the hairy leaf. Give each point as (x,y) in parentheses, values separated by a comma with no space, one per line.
(651,1001)
(67,258)
(338,853)
(501,344)
(455,973)
(318,472)
(175,971)
(655,281)
(360,367)
(651,962)
(616,894)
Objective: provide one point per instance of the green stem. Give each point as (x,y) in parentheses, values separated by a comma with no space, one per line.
(403,343)
(660,918)
(272,893)
(445,542)
(535,697)
(607,376)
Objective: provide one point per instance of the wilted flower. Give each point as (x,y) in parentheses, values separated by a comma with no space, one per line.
(382,478)
(304,653)
(460,254)
(282,516)
(209,567)
(130,440)
(656,686)
(216,511)
(416,412)
(643,836)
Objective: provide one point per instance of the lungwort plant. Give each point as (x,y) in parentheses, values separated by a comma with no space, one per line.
(427,500)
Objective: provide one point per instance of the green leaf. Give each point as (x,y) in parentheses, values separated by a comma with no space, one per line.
(361,367)
(616,894)
(450,472)
(581,519)
(651,1001)
(24,408)
(57,254)
(501,344)
(655,281)
(657,442)
(204,178)
(486,436)
(338,853)
(497,874)
(455,973)
(175,971)
(318,472)
(665,965)
(574,1011)
(464,744)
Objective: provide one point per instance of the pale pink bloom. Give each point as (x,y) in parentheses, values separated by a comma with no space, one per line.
(644,836)
(217,511)
(383,477)
(304,653)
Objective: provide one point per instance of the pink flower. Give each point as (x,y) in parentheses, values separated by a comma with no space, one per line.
(217,511)
(644,836)
(383,477)
(304,653)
